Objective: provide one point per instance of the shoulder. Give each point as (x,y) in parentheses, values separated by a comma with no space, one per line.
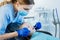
(9,7)
(6,7)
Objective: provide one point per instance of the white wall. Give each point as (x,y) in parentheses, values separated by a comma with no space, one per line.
(51,4)
(1,0)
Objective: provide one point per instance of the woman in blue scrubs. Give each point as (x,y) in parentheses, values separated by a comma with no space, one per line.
(8,9)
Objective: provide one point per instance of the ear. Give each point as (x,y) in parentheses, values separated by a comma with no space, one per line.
(19,7)
(17,3)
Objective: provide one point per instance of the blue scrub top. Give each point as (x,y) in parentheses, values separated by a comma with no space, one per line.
(7,16)
(42,36)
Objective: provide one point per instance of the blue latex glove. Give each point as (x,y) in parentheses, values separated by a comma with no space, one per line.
(23,32)
(37,25)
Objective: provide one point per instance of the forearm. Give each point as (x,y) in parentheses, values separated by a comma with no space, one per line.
(8,35)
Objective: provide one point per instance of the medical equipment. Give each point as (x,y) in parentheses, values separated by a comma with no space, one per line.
(28,17)
(55,24)
(37,26)
(56,21)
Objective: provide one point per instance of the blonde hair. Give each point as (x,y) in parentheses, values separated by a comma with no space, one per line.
(22,2)
(5,2)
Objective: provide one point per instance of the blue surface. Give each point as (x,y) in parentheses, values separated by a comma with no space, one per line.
(42,36)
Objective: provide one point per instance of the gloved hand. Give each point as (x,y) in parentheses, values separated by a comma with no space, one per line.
(37,25)
(23,32)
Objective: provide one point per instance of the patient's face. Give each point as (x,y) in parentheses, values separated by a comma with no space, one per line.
(31,28)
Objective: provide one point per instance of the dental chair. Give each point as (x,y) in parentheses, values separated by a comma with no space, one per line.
(42,35)
(44,32)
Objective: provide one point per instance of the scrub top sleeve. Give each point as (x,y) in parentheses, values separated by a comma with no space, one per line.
(6,17)
(10,15)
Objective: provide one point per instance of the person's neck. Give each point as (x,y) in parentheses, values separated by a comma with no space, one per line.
(14,5)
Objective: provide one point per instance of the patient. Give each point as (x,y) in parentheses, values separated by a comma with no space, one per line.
(15,26)
(34,34)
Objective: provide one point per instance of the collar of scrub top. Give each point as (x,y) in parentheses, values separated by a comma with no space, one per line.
(4,2)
